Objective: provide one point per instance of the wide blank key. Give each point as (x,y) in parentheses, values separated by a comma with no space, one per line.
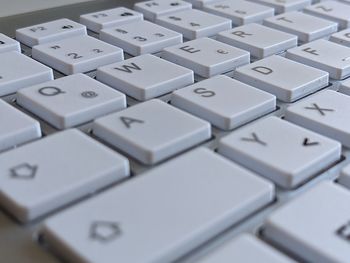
(314,226)
(77,54)
(342,37)
(245,249)
(71,100)
(206,57)
(152,131)
(140,77)
(306,27)
(16,127)
(136,221)
(281,151)
(19,71)
(224,102)
(317,54)
(44,175)
(261,41)
(273,74)
(8,44)
(194,24)
(326,112)
(282,6)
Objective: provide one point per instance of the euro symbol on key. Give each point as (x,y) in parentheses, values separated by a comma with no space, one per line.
(50,91)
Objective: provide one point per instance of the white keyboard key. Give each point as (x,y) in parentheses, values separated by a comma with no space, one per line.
(16,127)
(332,10)
(325,55)
(281,151)
(44,175)
(240,11)
(314,226)
(273,74)
(245,249)
(224,102)
(155,8)
(342,37)
(145,77)
(326,113)
(71,100)
(207,57)
(141,37)
(49,32)
(136,220)
(306,27)
(200,3)
(110,18)
(70,56)
(8,44)
(259,40)
(345,87)
(283,6)
(344,178)
(20,71)
(194,24)
(152,131)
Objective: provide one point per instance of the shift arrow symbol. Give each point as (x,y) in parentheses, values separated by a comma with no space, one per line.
(308,143)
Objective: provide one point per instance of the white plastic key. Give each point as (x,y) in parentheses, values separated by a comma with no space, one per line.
(281,151)
(273,74)
(110,18)
(16,127)
(326,113)
(49,32)
(245,248)
(342,37)
(200,3)
(136,220)
(317,54)
(152,131)
(206,57)
(306,27)
(259,40)
(344,178)
(141,37)
(40,177)
(194,23)
(224,102)
(314,226)
(332,10)
(283,6)
(239,11)
(145,77)
(77,55)
(19,71)
(156,8)
(8,44)
(345,87)
(71,100)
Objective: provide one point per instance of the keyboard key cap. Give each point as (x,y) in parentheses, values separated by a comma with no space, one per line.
(152,131)
(315,226)
(69,56)
(16,127)
(224,102)
(153,9)
(206,57)
(141,37)
(259,40)
(281,151)
(245,248)
(317,54)
(325,113)
(39,177)
(273,74)
(306,27)
(110,18)
(71,101)
(8,44)
(332,10)
(140,77)
(49,32)
(200,3)
(194,24)
(20,71)
(344,178)
(345,87)
(134,221)
(239,11)
(342,37)
(285,5)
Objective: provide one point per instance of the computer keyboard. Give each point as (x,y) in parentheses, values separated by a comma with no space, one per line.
(197,131)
